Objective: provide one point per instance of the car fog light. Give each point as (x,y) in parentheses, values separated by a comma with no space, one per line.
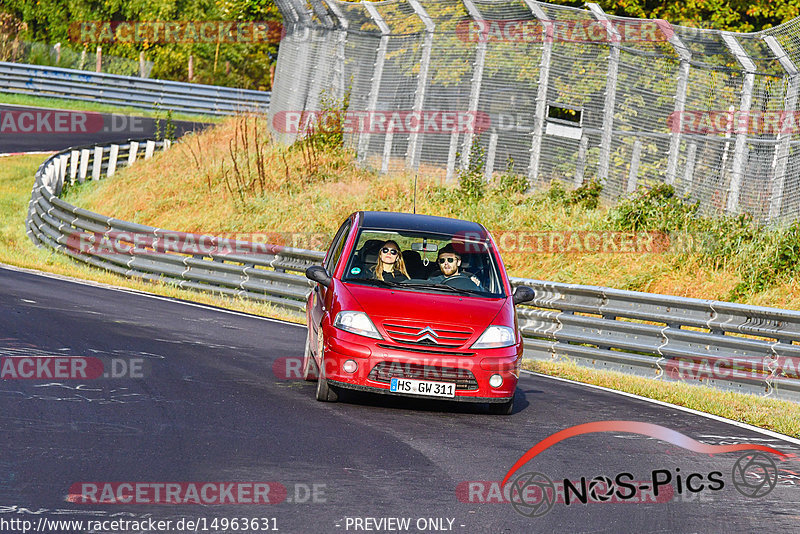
(350,366)
(496,381)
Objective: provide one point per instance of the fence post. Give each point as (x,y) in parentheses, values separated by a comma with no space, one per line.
(321,65)
(490,156)
(451,156)
(633,173)
(680,99)
(580,166)
(611,92)
(387,149)
(341,41)
(781,159)
(377,74)
(141,65)
(688,174)
(98,64)
(541,93)
(475,88)
(740,149)
(414,146)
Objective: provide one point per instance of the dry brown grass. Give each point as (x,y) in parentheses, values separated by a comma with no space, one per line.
(186,190)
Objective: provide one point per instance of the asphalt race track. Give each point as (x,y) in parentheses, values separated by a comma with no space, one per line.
(32,129)
(212,405)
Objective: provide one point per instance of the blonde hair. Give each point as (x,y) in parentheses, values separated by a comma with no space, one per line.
(399,264)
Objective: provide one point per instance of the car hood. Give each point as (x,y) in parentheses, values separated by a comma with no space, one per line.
(418,308)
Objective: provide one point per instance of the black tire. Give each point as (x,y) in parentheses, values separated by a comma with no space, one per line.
(325,392)
(502,408)
(310,371)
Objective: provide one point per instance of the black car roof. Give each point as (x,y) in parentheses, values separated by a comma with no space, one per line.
(387,220)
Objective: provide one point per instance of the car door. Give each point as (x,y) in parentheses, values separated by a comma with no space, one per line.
(319,295)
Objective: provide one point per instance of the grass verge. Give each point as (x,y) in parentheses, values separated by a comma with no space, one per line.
(83,105)
(771,414)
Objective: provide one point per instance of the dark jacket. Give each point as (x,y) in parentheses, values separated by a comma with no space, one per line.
(393,277)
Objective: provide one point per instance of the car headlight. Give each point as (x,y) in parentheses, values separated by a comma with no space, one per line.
(356,322)
(495,337)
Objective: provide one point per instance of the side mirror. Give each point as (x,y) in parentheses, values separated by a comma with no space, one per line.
(523,294)
(318,274)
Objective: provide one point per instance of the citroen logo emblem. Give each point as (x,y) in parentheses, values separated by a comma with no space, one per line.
(427,333)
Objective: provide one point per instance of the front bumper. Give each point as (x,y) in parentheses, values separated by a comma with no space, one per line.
(402,362)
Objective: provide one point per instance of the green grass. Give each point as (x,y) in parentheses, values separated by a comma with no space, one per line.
(83,105)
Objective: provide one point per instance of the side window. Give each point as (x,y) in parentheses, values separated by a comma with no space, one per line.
(337,246)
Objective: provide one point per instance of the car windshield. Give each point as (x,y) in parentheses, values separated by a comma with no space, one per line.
(416,265)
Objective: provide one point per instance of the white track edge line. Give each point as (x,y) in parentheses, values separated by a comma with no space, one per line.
(112,287)
(719,418)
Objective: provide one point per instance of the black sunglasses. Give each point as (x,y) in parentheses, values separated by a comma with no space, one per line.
(387,250)
(449,259)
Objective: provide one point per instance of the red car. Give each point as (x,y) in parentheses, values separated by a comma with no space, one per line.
(437,322)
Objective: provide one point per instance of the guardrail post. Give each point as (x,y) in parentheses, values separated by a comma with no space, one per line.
(541,92)
(611,92)
(112,160)
(475,87)
(779,163)
(132,150)
(62,166)
(633,173)
(377,74)
(74,159)
(740,149)
(149,148)
(680,98)
(84,165)
(97,163)
(414,146)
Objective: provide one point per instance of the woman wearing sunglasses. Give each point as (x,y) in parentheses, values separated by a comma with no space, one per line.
(390,266)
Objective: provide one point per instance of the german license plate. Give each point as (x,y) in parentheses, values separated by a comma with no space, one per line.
(422,387)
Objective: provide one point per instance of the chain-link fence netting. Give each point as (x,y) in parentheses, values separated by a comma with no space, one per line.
(551,92)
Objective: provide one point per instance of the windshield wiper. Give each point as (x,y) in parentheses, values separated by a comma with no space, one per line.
(373,282)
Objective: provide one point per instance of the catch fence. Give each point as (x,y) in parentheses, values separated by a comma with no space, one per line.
(564,93)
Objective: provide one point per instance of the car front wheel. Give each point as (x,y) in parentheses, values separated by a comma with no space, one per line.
(309,364)
(325,392)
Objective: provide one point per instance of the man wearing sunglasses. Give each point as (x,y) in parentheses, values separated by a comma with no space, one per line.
(450,266)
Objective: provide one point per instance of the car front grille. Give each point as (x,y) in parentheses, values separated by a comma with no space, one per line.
(385,371)
(441,336)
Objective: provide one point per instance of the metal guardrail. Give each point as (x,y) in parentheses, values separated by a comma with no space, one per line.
(129,91)
(276,276)
(748,349)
